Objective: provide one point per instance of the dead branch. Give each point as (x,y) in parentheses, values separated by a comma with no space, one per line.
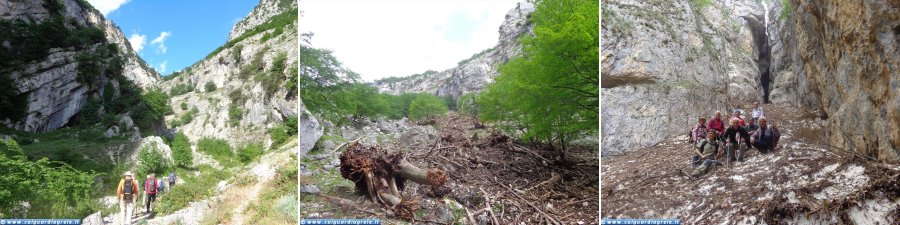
(553,221)
(555,178)
(454,163)
(487,204)
(342,145)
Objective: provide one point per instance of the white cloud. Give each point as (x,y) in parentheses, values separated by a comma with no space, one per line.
(107,6)
(160,42)
(399,38)
(162,66)
(137,41)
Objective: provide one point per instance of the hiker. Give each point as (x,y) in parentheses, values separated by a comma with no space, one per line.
(716,124)
(705,153)
(127,190)
(751,127)
(756,113)
(733,148)
(765,139)
(160,187)
(698,132)
(737,115)
(172,179)
(150,188)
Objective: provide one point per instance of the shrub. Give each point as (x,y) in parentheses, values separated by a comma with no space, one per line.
(181,89)
(273,80)
(236,53)
(287,206)
(467,105)
(700,4)
(181,151)
(279,134)
(785,10)
(235,114)
(201,187)
(291,125)
(210,86)
(151,160)
(184,106)
(250,152)
(237,97)
(426,107)
(218,149)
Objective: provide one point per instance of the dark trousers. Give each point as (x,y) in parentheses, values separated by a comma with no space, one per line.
(150,199)
(762,147)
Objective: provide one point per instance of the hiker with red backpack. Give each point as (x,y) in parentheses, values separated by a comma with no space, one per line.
(150,187)
(127,191)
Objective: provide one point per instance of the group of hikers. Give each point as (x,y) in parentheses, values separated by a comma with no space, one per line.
(740,135)
(128,191)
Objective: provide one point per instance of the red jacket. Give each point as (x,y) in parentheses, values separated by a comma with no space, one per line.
(147,183)
(716,124)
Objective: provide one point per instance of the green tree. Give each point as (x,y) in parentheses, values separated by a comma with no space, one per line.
(158,102)
(181,151)
(151,160)
(467,105)
(426,107)
(551,91)
(54,189)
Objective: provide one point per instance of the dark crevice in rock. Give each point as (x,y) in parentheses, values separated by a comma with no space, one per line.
(761,42)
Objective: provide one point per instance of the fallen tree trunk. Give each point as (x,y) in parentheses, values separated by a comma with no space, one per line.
(382,175)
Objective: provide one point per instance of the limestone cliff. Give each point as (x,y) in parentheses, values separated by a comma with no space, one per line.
(665,64)
(58,54)
(244,87)
(473,74)
(845,56)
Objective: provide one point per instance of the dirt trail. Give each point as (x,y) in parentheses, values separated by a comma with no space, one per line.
(803,181)
(486,170)
(262,172)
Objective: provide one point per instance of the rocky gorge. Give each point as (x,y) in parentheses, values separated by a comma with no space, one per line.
(836,59)
(826,74)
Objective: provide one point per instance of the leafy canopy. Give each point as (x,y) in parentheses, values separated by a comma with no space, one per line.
(551,91)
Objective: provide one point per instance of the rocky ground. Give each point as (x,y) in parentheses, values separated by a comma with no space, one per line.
(518,184)
(804,181)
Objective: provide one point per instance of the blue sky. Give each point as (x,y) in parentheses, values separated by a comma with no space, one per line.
(386,38)
(171,34)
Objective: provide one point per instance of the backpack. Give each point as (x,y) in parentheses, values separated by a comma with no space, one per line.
(171,177)
(152,187)
(707,142)
(128,189)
